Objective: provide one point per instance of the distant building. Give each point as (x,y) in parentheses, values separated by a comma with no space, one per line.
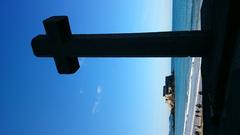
(169,85)
(169,94)
(169,91)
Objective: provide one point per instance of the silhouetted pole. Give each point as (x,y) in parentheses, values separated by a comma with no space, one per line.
(65,47)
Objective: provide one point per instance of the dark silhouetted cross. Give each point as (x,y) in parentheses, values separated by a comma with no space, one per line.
(65,47)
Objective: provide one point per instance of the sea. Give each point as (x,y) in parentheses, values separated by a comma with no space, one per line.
(187,70)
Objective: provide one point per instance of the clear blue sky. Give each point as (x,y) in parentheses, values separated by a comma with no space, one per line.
(106,96)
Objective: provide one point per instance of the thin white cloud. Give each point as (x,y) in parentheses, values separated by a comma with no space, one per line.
(97,101)
(95,107)
(99,89)
(81,91)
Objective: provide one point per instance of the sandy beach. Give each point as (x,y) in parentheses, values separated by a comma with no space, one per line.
(193,109)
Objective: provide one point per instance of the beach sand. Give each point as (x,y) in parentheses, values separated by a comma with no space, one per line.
(193,112)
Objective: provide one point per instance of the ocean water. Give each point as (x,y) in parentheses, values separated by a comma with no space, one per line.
(186,16)
(181,67)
